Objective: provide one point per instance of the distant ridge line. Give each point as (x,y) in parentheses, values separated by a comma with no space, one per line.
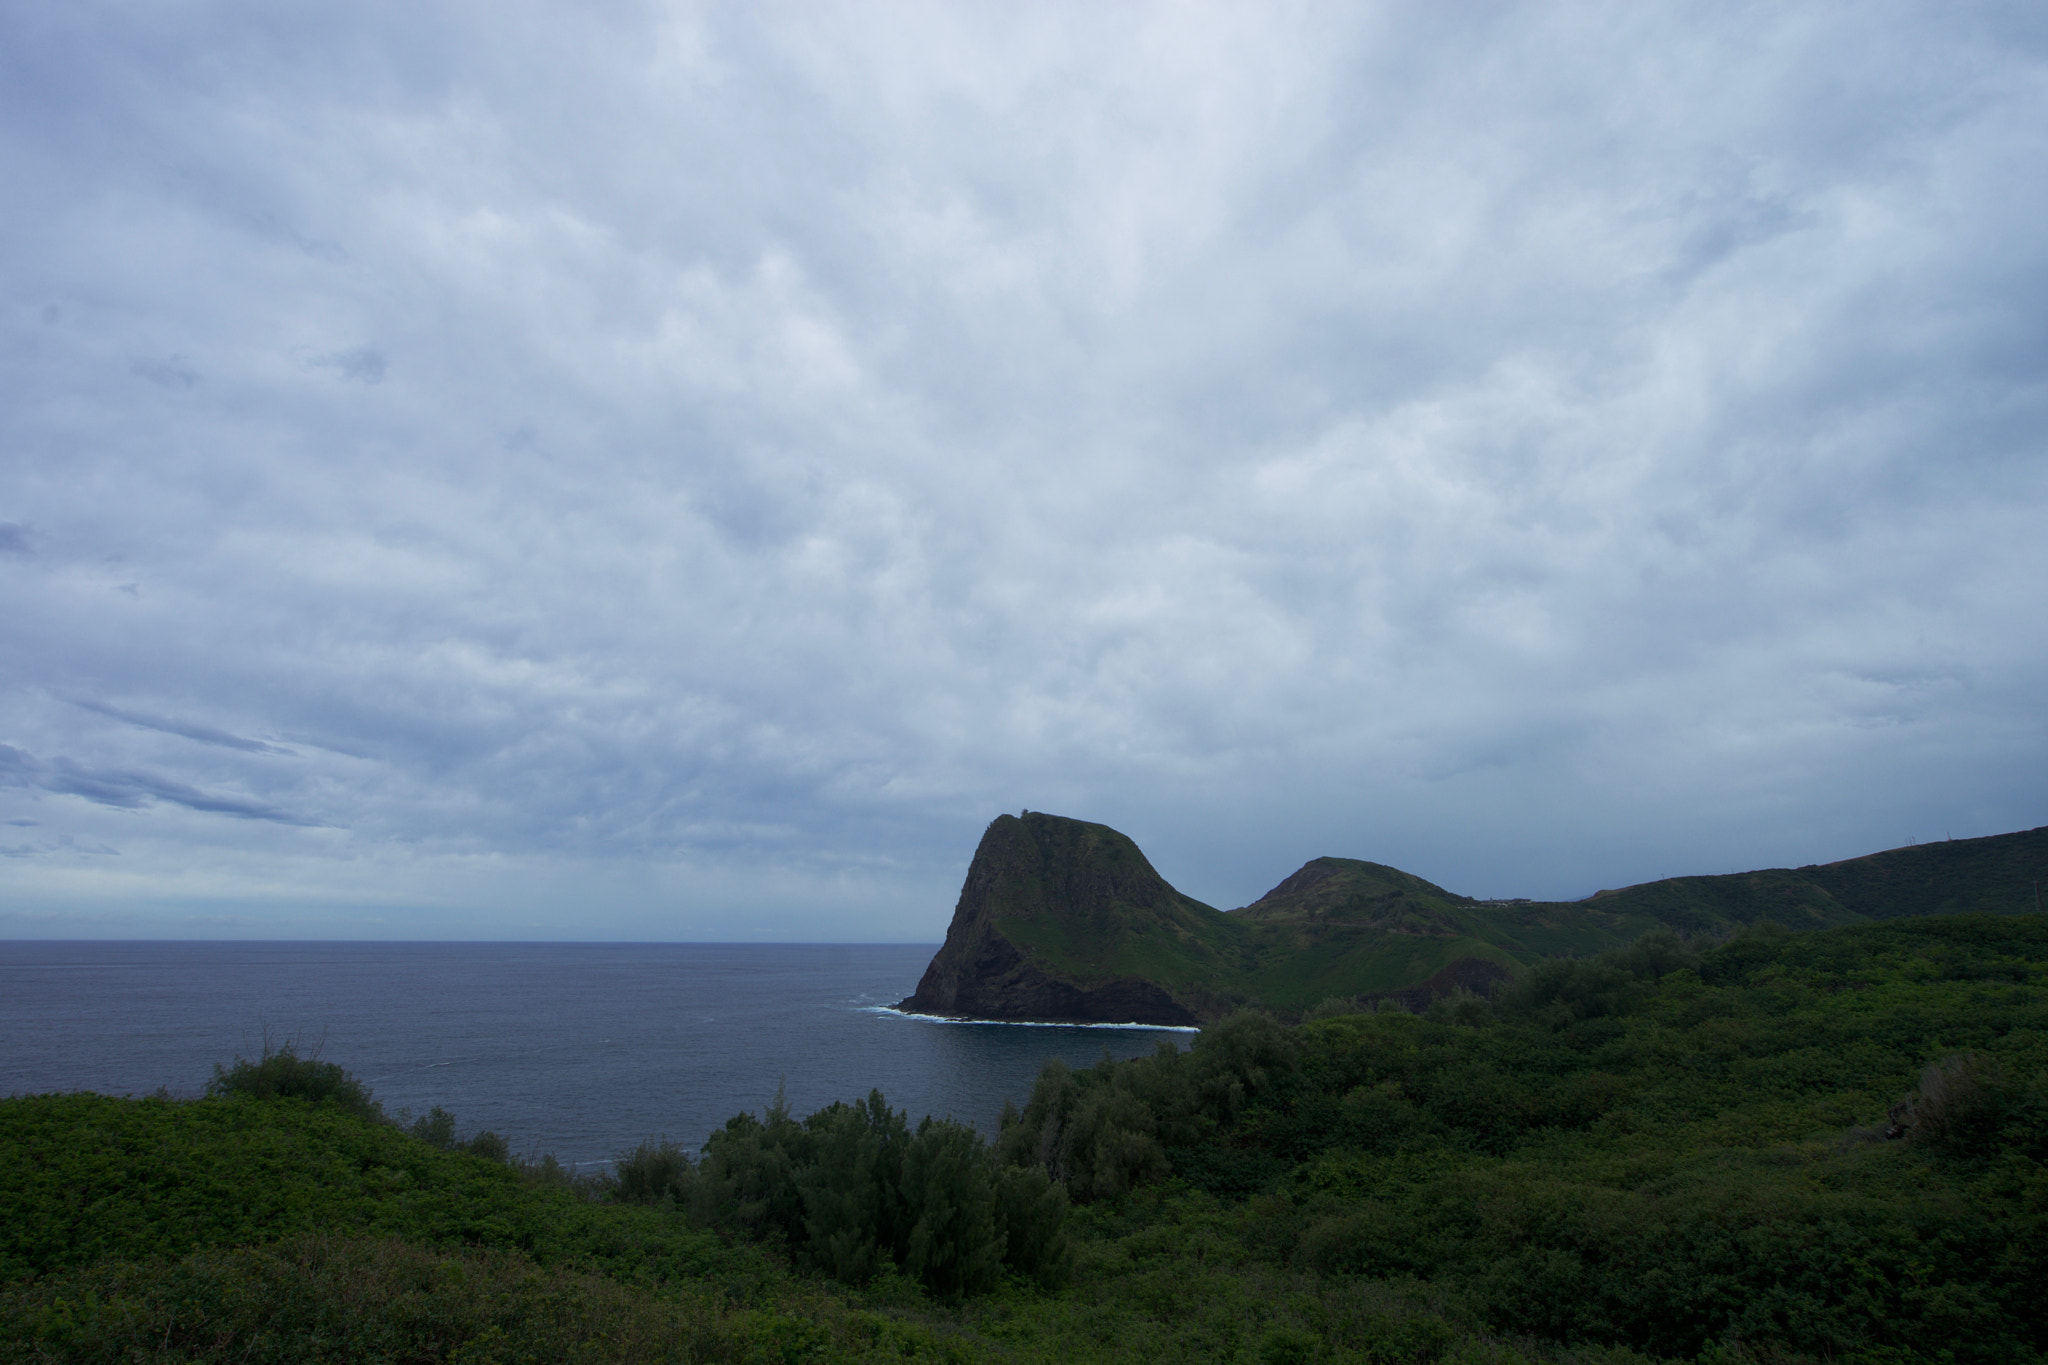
(1066,921)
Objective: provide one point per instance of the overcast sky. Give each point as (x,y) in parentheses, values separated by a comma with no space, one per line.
(501,470)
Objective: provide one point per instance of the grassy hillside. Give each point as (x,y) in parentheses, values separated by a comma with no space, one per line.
(1825,1146)
(2001,875)
(1086,902)
(1342,928)
(1788,1148)
(1998,874)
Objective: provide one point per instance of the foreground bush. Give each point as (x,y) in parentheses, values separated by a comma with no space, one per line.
(436,1128)
(281,1073)
(855,1192)
(85,1178)
(322,1299)
(1662,1149)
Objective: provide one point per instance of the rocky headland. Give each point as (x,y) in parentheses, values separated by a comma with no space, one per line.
(1065,921)
(1059,921)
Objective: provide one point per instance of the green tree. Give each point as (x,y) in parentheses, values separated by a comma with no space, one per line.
(852,1189)
(1031,1216)
(748,1181)
(949,1197)
(281,1073)
(655,1172)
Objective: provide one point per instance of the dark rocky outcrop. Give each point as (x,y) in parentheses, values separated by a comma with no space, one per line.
(998,982)
(1065,921)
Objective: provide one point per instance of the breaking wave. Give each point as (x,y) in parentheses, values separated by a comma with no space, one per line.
(1026,1023)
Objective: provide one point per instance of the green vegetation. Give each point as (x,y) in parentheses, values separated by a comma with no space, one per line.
(1778,1147)
(1048,898)
(1675,1153)
(281,1073)
(854,1192)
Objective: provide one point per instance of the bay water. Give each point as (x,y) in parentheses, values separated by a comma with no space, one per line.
(580,1049)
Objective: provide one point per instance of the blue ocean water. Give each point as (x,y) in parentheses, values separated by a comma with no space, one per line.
(577,1049)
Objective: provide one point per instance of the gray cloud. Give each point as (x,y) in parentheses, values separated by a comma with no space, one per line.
(66,846)
(202,734)
(364,364)
(17,768)
(131,789)
(1542,446)
(127,790)
(168,372)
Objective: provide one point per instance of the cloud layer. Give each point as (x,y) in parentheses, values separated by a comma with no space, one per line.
(678,471)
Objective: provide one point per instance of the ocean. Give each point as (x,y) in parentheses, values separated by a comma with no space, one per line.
(579,1049)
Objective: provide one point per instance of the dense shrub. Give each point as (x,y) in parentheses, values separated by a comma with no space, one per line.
(855,1198)
(346,1299)
(1565,990)
(1108,1130)
(436,1128)
(1033,1214)
(84,1177)
(1972,1106)
(281,1073)
(655,1172)
(954,1241)
(855,1192)
(748,1181)
(1647,1148)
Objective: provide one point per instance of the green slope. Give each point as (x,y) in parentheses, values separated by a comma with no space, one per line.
(1087,904)
(1345,927)
(2004,874)
(1080,903)
(1718,1158)
(1997,874)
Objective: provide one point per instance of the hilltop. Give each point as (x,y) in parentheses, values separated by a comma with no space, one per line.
(1066,920)
(1063,919)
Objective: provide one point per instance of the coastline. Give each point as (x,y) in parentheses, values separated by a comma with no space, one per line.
(1028,1023)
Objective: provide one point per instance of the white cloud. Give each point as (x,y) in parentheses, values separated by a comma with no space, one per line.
(678,471)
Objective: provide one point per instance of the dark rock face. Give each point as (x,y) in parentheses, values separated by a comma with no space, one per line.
(1006,986)
(1036,867)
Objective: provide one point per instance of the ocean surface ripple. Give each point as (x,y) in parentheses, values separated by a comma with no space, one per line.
(577,1049)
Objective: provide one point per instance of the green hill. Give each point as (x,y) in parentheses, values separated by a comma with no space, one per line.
(1064,919)
(1713,1156)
